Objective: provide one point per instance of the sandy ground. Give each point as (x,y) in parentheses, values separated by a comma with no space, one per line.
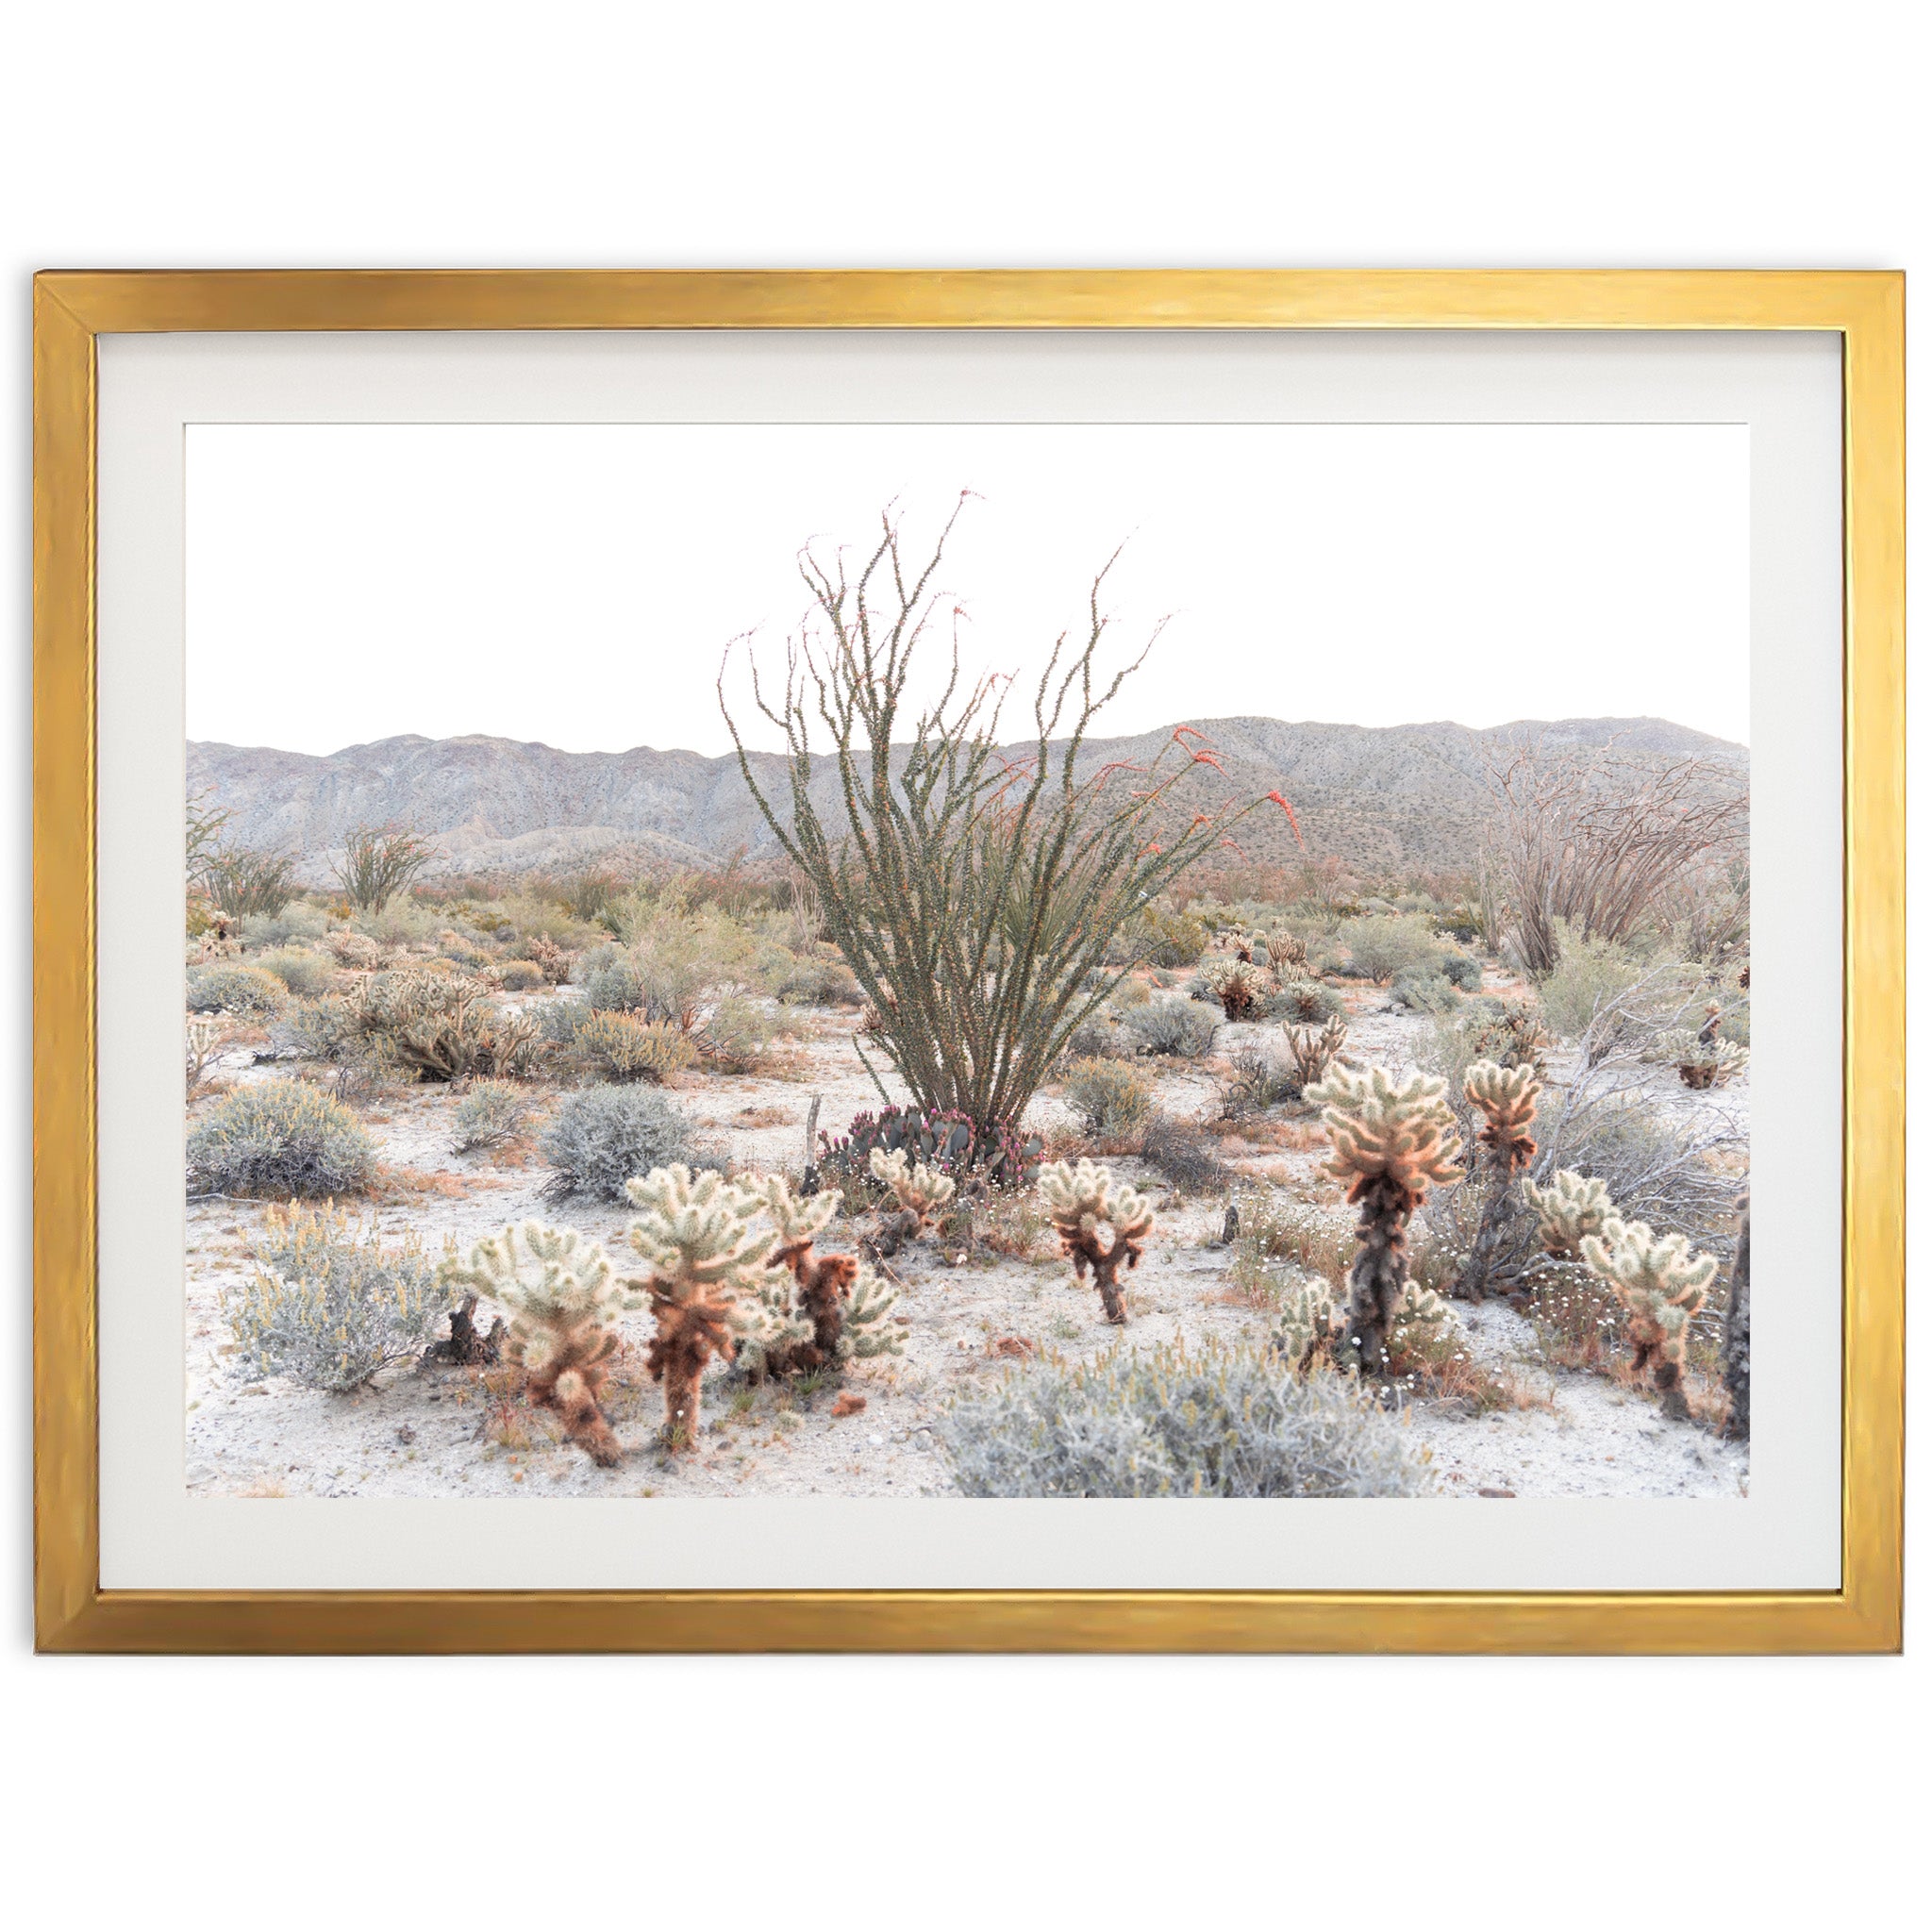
(441,1432)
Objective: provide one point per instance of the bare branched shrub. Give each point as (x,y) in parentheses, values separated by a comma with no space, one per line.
(1602,839)
(973,890)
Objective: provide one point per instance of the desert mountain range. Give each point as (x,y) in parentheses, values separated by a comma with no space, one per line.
(1376,798)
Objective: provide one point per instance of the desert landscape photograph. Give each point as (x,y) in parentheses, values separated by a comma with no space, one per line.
(967,961)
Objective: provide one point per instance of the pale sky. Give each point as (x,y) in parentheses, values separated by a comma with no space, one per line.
(577,584)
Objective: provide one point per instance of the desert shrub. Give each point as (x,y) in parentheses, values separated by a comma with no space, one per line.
(1313,1241)
(1159,936)
(602,1136)
(279,1137)
(297,920)
(558,1019)
(303,973)
(1383,946)
(400,921)
(356,950)
(1213,1421)
(1096,1038)
(1111,1097)
(519,976)
(1131,993)
(946,1143)
(325,1029)
(818,982)
(1259,1082)
(329,1304)
(378,862)
(1590,977)
(613,987)
(682,959)
(491,1112)
(1180,1026)
(1303,1003)
(732,1036)
(442,1026)
(1425,993)
(1460,970)
(1181,1153)
(620,1046)
(222,987)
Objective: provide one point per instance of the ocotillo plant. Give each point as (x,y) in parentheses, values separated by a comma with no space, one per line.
(919,1192)
(1506,1097)
(1661,1284)
(1570,1207)
(1081,1201)
(706,1257)
(564,1299)
(973,887)
(1390,1143)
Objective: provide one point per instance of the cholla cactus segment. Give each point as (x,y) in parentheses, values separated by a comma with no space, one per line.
(1571,1207)
(1081,1201)
(1383,1130)
(563,1298)
(768,1328)
(1506,1097)
(1661,1283)
(706,1255)
(697,1233)
(797,1220)
(1308,1323)
(547,1279)
(868,1329)
(920,1190)
(1420,1307)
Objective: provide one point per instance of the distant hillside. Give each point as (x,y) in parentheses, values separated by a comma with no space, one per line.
(1406,795)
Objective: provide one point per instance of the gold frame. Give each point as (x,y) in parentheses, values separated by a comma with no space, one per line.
(73,1613)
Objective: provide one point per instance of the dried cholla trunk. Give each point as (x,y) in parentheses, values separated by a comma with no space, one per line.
(1506,1097)
(1737,1352)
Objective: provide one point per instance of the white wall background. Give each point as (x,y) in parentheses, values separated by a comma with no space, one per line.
(1091,1791)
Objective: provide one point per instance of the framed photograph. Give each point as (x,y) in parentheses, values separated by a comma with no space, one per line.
(983,962)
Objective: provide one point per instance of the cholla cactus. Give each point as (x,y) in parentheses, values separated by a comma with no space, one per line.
(1661,1284)
(1570,1207)
(1306,1325)
(708,1275)
(1233,984)
(1390,1143)
(1736,1349)
(1081,1200)
(866,1329)
(1506,1097)
(1311,1050)
(564,1299)
(1285,951)
(823,1284)
(920,1190)
(1701,1062)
